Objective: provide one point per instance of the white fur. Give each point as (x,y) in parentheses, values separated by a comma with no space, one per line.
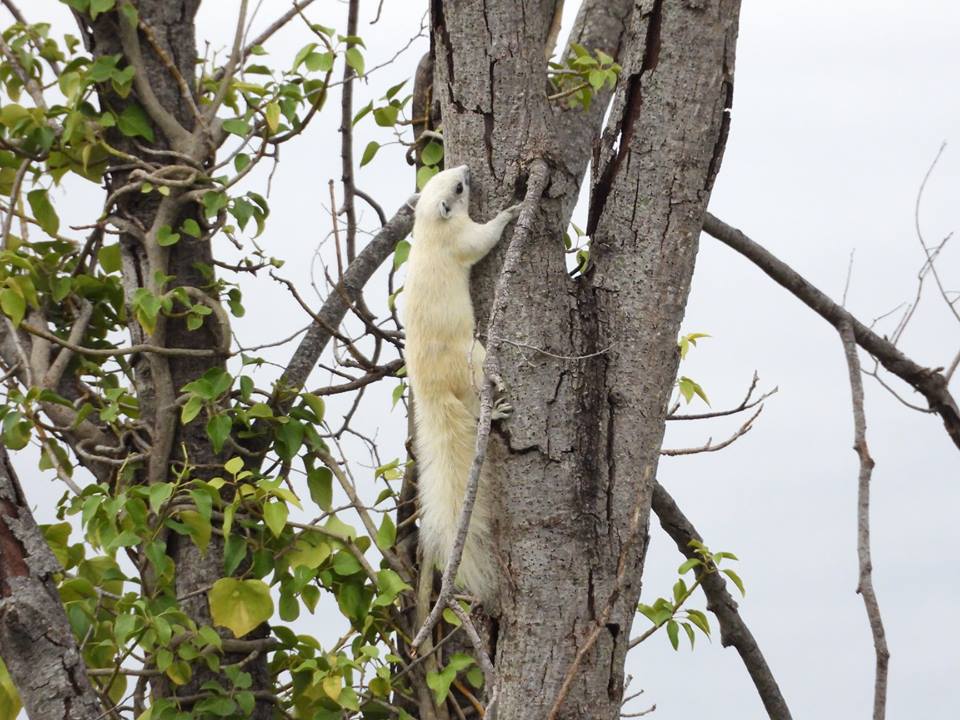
(445,367)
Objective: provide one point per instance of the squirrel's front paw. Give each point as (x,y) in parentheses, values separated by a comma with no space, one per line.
(502,409)
(513,212)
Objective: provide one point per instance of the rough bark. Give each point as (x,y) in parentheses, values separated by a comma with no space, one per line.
(579,457)
(36,641)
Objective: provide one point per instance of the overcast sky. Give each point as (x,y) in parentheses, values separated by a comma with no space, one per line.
(839,109)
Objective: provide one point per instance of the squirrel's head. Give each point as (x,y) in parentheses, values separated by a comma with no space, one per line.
(445,195)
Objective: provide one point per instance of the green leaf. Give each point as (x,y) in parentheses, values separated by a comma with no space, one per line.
(319,62)
(401,253)
(191,227)
(272,113)
(191,409)
(306,554)
(385,116)
(199,527)
(355,59)
(690,634)
(688,566)
(673,632)
(235,550)
(736,580)
(14,305)
(236,126)
(424,174)
(43,211)
(369,152)
(133,122)
(320,483)
(391,585)
(240,605)
(346,564)
(166,236)
(159,493)
(233,465)
(275,517)
(9,697)
(387,534)
(700,620)
(432,154)
(100,6)
(316,405)
(218,430)
(109,258)
(130,13)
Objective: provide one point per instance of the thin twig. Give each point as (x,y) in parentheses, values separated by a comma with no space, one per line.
(709,446)
(865,583)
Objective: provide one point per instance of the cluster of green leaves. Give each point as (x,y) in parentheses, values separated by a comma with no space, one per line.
(114,613)
(688,387)
(579,247)
(672,613)
(578,76)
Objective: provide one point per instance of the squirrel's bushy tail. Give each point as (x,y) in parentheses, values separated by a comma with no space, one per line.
(446,444)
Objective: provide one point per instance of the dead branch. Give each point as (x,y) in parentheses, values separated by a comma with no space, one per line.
(865,583)
(709,446)
(928,382)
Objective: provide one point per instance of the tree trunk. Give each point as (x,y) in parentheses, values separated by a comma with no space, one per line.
(576,465)
(35,637)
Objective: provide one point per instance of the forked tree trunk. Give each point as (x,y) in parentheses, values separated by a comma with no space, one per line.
(576,465)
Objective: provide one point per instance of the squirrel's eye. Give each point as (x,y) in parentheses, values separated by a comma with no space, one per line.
(459,188)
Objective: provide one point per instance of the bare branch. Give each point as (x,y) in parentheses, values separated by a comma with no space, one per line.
(928,382)
(865,584)
(346,138)
(709,446)
(733,630)
(269,32)
(336,305)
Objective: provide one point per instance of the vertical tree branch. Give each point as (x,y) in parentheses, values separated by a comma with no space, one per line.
(865,583)
(346,138)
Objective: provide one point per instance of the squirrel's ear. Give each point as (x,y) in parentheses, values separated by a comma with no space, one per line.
(444,209)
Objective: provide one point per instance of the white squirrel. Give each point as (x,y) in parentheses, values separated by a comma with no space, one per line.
(444,363)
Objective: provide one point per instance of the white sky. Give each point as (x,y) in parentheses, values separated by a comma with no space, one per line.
(839,108)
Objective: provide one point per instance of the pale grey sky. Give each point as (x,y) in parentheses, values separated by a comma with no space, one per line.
(839,108)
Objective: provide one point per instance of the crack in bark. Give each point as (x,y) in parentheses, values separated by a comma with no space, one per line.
(628,121)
